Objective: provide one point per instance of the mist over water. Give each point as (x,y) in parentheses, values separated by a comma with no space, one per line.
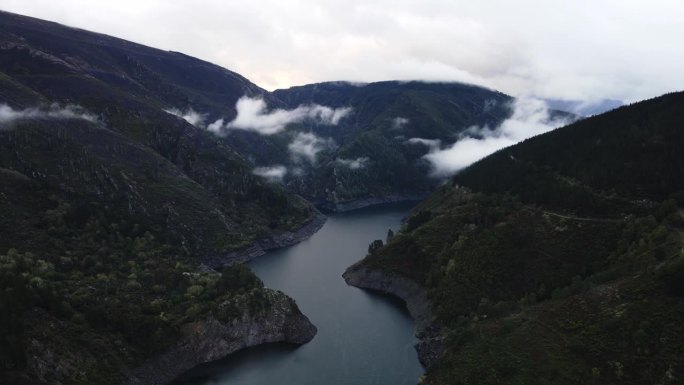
(363,338)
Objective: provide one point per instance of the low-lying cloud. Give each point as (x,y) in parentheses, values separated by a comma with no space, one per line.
(530,117)
(272,174)
(10,116)
(216,127)
(399,122)
(432,144)
(353,164)
(306,146)
(191,116)
(253,115)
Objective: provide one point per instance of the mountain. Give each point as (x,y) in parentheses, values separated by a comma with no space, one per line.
(557,260)
(391,126)
(145,154)
(110,205)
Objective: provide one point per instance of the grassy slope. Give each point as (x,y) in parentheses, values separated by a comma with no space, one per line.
(548,263)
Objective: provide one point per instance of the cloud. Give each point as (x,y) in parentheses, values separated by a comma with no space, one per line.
(297,171)
(190,116)
(253,115)
(10,116)
(273,173)
(579,50)
(306,146)
(353,164)
(530,117)
(399,122)
(432,144)
(216,127)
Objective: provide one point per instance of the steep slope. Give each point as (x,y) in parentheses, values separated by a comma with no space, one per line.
(168,79)
(633,152)
(126,86)
(122,81)
(391,126)
(557,260)
(109,204)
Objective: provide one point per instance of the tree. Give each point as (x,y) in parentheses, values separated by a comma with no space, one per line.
(390,235)
(375,246)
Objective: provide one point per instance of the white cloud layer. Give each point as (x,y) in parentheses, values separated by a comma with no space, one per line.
(10,116)
(399,122)
(530,117)
(253,115)
(353,164)
(580,50)
(191,116)
(432,144)
(216,127)
(273,174)
(306,146)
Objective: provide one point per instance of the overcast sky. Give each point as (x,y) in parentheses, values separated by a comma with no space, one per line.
(583,49)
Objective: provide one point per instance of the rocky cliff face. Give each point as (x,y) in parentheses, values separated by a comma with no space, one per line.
(344,206)
(419,306)
(210,340)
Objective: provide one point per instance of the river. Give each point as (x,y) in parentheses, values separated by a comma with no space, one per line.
(363,338)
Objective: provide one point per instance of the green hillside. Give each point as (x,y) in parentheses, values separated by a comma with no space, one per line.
(106,219)
(385,116)
(558,260)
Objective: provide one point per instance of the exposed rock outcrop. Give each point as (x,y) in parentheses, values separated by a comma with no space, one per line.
(344,206)
(210,340)
(417,302)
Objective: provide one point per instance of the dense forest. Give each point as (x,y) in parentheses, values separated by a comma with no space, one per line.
(79,277)
(560,259)
(109,205)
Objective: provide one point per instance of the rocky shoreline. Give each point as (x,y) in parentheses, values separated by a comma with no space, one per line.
(261,245)
(210,340)
(356,204)
(419,306)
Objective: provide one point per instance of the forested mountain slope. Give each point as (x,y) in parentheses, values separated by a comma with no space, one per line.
(125,87)
(109,204)
(391,127)
(557,260)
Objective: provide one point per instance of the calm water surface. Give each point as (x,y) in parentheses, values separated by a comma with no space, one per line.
(363,338)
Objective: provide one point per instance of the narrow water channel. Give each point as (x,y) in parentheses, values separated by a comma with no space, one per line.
(363,338)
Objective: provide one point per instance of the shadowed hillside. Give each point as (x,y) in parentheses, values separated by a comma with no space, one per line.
(109,205)
(557,260)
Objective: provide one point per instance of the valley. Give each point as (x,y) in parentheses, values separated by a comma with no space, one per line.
(165,220)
